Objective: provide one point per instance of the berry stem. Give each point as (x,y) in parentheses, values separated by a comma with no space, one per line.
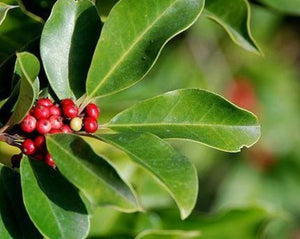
(10,139)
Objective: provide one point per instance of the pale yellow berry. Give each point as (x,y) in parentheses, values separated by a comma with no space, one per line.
(76,124)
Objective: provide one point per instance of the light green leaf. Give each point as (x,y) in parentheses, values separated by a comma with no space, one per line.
(14,221)
(132,39)
(4,8)
(234,16)
(52,203)
(168,234)
(27,67)
(192,114)
(287,6)
(174,171)
(96,178)
(67,45)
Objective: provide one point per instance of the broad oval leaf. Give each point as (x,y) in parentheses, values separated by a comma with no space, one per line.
(67,45)
(95,177)
(52,203)
(169,234)
(4,8)
(234,16)
(287,6)
(171,169)
(132,39)
(192,114)
(14,221)
(27,67)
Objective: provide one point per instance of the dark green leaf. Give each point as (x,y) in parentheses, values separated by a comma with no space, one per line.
(287,6)
(104,7)
(17,33)
(132,39)
(234,16)
(96,178)
(52,203)
(67,45)
(14,221)
(194,115)
(27,67)
(174,171)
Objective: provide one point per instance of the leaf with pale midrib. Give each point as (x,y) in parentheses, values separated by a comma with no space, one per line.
(191,114)
(170,168)
(52,203)
(96,178)
(27,67)
(132,38)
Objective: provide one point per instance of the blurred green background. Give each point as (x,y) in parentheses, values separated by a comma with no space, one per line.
(265,176)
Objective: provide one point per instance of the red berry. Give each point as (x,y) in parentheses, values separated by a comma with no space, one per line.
(41,112)
(43,126)
(31,112)
(56,122)
(92,111)
(49,160)
(66,129)
(45,102)
(70,111)
(67,102)
(55,110)
(28,147)
(28,124)
(90,125)
(40,143)
(55,131)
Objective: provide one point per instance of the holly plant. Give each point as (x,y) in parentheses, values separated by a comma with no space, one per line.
(54,75)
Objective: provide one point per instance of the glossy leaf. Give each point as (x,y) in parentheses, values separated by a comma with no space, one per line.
(192,114)
(174,171)
(52,203)
(27,67)
(17,33)
(287,6)
(165,234)
(96,178)
(234,16)
(4,8)
(67,45)
(14,221)
(132,39)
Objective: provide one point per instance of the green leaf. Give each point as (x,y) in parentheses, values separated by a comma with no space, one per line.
(67,45)
(27,67)
(192,114)
(287,6)
(248,223)
(104,7)
(234,16)
(4,8)
(174,171)
(168,234)
(17,33)
(96,178)
(132,39)
(52,203)
(14,221)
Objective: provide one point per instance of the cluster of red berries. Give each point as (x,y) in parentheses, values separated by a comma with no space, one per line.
(48,118)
